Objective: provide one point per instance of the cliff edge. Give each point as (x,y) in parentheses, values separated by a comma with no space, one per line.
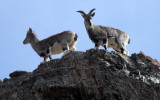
(90,75)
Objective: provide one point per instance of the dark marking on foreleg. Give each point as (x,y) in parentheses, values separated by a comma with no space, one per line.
(64,49)
(48,51)
(50,57)
(122,50)
(96,43)
(96,46)
(105,47)
(105,43)
(42,54)
(44,59)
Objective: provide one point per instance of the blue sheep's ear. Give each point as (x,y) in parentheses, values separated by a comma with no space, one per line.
(93,14)
(30,29)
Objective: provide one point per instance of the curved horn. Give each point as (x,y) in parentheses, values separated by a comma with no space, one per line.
(91,11)
(82,12)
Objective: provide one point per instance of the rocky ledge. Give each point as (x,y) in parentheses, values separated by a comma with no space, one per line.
(90,75)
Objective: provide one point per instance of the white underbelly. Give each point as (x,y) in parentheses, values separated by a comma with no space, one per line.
(56,49)
(112,43)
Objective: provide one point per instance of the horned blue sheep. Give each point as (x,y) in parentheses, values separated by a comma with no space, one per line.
(108,37)
(55,44)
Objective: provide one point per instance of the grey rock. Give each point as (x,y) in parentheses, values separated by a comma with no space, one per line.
(5,80)
(90,75)
(17,73)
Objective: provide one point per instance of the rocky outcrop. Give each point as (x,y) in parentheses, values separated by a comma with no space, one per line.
(90,75)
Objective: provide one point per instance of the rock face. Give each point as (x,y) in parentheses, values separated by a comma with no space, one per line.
(90,75)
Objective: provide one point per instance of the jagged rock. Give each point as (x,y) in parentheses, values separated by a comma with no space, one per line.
(17,73)
(5,80)
(90,75)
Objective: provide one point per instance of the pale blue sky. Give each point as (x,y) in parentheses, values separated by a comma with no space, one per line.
(140,19)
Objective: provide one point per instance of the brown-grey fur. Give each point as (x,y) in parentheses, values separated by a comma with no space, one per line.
(54,44)
(106,36)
